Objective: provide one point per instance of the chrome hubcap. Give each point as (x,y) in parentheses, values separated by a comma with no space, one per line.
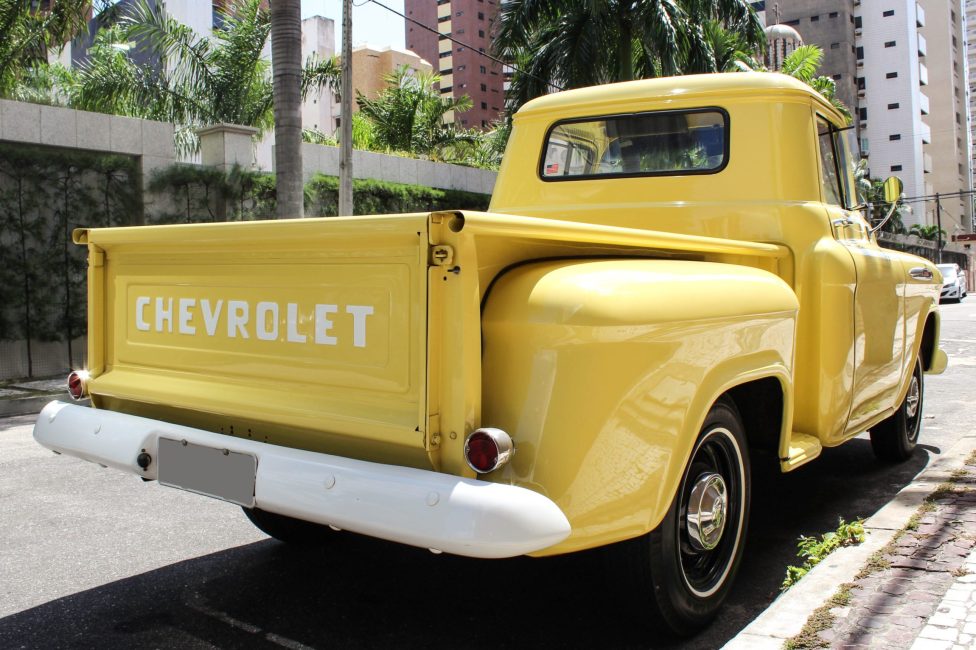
(707,512)
(912,399)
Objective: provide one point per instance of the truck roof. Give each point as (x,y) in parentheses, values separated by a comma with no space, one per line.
(685,87)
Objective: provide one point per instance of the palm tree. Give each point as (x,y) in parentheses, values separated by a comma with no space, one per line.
(803,64)
(286,55)
(29,29)
(575,43)
(198,81)
(930,233)
(408,115)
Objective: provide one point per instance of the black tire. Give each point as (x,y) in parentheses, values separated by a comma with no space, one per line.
(288,529)
(894,439)
(683,582)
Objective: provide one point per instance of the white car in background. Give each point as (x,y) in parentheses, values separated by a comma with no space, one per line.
(953,282)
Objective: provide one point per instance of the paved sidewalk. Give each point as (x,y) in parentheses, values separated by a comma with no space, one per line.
(918,592)
(29,396)
(911,585)
(954,624)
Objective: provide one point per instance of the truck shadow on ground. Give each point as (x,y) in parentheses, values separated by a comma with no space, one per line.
(364,593)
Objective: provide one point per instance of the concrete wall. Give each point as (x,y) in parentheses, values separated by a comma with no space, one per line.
(365,164)
(152,144)
(50,358)
(149,141)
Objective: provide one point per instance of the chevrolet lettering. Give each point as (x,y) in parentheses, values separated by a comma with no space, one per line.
(672,274)
(266,321)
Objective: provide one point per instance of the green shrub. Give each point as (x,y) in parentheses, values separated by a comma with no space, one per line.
(382,197)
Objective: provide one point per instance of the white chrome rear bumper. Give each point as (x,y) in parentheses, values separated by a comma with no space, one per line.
(417,507)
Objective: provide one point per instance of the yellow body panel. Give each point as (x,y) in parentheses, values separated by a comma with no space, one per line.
(309,334)
(602,371)
(595,320)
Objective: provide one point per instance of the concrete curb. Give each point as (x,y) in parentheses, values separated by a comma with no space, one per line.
(787,615)
(28,405)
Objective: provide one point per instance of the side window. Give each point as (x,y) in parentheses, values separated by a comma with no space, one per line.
(828,165)
(845,144)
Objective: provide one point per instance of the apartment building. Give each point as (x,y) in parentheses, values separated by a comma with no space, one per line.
(900,67)
(320,109)
(372,65)
(970,38)
(948,158)
(460,62)
(893,104)
(828,24)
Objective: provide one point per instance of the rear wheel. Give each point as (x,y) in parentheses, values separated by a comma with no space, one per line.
(894,439)
(688,563)
(288,529)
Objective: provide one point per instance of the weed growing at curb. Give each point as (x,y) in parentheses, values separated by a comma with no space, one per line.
(821,619)
(879,559)
(814,550)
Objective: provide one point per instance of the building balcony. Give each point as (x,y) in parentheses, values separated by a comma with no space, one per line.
(925,131)
(923,103)
(927,163)
(922,45)
(443,10)
(919,16)
(923,75)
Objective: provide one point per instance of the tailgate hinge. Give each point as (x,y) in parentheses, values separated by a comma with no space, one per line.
(442,255)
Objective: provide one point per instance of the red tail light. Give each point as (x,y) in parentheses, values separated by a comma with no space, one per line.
(78,384)
(487,449)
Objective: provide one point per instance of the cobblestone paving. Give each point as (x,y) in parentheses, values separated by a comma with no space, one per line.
(923,594)
(953,626)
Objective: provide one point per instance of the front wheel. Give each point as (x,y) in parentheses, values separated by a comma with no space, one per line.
(894,439)
(688,563)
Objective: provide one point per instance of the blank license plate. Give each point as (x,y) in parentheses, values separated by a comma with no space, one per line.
(218,473)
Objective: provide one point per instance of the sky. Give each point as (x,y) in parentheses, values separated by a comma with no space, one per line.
(370,23)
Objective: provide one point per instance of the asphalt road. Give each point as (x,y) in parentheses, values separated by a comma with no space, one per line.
(91,557)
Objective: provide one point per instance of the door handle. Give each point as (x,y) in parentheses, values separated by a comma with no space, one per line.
(846,221)
(921,273)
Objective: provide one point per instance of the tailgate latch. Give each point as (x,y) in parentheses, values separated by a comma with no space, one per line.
(442,255)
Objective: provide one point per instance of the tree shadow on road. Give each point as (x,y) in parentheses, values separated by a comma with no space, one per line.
(364,593)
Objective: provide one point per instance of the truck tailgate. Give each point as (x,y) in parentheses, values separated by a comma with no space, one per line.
(274,331)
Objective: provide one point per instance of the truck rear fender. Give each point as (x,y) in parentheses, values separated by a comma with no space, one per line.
(602,372)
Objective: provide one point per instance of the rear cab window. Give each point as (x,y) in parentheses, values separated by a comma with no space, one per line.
(640,144)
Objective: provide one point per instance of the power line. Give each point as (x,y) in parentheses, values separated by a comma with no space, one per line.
(462,44)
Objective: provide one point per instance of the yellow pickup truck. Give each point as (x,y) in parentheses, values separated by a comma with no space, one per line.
(672,273)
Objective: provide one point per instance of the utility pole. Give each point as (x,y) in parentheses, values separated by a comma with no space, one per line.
(938,226)
(345,130)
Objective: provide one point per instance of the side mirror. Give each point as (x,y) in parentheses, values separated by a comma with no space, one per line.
(893,188)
